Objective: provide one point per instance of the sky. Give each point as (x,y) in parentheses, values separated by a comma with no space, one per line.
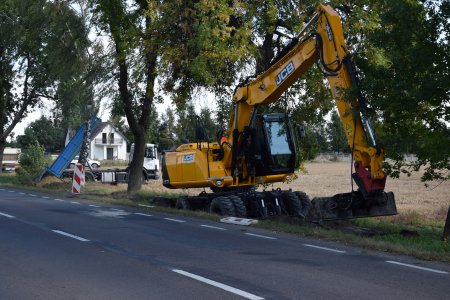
(203,99)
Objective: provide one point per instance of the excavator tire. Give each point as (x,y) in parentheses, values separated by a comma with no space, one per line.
(293,204)
(239,207)
(305,202)
(183,203)
(222,206)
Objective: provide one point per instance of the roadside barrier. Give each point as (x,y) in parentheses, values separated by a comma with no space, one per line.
(78,176)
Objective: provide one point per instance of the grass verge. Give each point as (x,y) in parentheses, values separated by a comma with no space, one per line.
(409,233)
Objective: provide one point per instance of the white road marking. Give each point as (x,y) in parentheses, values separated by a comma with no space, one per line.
(116,209)
(71,235)
(61,200)
(151,206)
(213,227)
(324,248)
(219,285)
(92,205)
(141,214)
(75,202)
(174,220)
(416,267)
(45,197)
(6,215)
(261,236)
(11,191)
(31,195)
(22,193)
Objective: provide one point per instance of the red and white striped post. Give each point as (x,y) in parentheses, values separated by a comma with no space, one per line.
(77,177)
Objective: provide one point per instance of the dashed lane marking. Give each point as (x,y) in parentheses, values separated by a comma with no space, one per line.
(213,227)
(60,200)
(45,197)
(261,236)
(219,285)
(324,248)
(75,202)
(71,235)
(11,191)
(6,215)
(416,267)
(92,205)
(145,215)
(174,220)
(22,193)
(32,195)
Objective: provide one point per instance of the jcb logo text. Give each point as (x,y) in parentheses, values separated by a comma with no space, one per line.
(285,73)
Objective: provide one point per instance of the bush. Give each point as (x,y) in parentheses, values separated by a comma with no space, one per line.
(32,159)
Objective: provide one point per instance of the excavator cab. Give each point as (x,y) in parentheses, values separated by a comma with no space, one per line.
(275,149)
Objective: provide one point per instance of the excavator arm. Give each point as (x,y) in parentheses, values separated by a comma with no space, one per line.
(325,45)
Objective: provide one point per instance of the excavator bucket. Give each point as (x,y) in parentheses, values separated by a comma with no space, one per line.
(352,205)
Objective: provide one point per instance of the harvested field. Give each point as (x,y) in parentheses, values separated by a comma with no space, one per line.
(412,197)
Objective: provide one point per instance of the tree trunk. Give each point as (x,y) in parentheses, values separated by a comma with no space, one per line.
(2,149)
(135,171)
(85,146)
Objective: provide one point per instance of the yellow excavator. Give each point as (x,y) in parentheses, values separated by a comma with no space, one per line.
(259,149)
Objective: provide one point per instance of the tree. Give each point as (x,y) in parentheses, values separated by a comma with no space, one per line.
(36,53)
(46,132)
(32,159)
(336,135)
(185,44)
(402,52)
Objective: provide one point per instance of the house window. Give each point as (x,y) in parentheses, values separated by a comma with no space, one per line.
(111,138)
(104,138)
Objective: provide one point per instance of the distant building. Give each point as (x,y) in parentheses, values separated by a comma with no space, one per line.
(107,142)
(10,158)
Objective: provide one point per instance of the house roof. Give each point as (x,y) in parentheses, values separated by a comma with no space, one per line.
(100,128)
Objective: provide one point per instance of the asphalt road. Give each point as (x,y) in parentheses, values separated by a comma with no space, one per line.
(73,249)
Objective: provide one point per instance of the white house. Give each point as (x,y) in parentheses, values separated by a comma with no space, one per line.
(106,143)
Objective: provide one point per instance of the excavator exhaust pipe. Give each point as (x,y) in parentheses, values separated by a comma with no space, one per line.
(352,205)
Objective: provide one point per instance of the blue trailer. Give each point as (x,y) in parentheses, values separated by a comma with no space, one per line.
(71,150)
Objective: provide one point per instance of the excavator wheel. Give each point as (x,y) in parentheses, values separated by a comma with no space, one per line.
(222,206)
(293,204)
(183,203)
(305,202)
(239,207)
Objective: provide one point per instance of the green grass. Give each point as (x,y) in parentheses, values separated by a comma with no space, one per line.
(410,234)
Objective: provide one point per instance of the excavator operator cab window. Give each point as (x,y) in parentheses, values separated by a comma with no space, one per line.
(274,147)
(277,139)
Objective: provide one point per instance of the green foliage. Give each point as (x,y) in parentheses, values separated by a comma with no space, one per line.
(39,43)
(406,78)
(313,143)
(47,132)
(336,136)
(32,159)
